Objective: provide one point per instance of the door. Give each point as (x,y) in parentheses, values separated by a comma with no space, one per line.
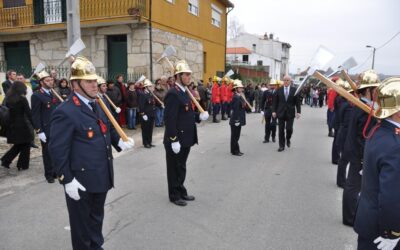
(18,57)
(117,54)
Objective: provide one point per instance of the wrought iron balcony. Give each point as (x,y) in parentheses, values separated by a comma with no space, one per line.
(54,11)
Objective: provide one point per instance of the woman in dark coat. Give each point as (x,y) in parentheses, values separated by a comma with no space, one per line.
(20,129)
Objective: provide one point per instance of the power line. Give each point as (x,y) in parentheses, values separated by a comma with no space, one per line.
(393,37)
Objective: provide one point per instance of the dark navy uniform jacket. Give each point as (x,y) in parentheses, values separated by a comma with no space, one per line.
(179,118)
(378,212)
(238,110)
(147,104)
(343,117)
(81,145)
(43,105)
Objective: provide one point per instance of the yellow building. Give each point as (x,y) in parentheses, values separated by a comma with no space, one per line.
(124,36)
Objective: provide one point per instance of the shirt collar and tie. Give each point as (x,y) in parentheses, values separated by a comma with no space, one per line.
(286,92)
(180,86)
(47,91)
(393,122)
(90,103)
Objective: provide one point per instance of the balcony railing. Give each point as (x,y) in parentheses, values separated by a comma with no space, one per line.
(52,11)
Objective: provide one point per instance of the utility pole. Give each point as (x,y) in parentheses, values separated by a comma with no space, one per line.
(373,54)
(73,21)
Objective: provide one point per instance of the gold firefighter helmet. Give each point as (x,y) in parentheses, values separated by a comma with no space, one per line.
(83,69)
(147,83)
(388,98)
(369,79)
(100,80)
(274,82)
(237,84)
(42,74)
(182,67)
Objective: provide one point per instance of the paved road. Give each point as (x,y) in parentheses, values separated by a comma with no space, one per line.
(262,200)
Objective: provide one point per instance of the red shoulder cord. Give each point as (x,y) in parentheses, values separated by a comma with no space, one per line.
(373,130)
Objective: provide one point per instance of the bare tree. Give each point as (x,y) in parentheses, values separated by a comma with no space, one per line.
(235,28)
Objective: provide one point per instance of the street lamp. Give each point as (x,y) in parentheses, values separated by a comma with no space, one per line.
(373,54)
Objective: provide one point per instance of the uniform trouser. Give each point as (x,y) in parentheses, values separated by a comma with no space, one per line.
(335,151)
(235,136)
(341,171)
(48,168)
(86,220)
(330,117)
(285,123)
(216,109)
(270,126)
(228,109)
(147,130)
(176,171)
(224,108)
(351,192)
(24,151)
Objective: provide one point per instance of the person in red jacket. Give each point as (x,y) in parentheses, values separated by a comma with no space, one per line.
(216,98)
(230,97)
(331,108)
(224,98)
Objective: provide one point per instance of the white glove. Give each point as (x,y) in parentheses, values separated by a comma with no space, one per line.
(145,118)
(72,189)
(386,244)
(237,124)
(124,145)
(176,147)
(204,116)
(118,110)
(42,137)
(262,112)
(360,172)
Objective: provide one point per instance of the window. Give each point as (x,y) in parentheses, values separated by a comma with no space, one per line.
(215,16)
(245,58)
(259,63)
(13,3)
(193,7)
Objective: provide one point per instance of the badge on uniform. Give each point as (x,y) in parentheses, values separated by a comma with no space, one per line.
(48,105)
(54,100)
(90,133)
(103,126)
(186,107)
(397,131)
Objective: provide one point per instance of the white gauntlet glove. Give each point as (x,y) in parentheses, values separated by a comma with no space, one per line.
(42,137)
(72,189)
(204,116)
(386,244)
(125,145)
(145,118)
(176,147)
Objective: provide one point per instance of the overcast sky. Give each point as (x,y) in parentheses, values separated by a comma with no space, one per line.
(343,26)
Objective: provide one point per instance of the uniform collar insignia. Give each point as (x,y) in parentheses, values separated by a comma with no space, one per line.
(397,131)
(76,101)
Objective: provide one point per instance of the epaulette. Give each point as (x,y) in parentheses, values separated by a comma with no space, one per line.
(76,101)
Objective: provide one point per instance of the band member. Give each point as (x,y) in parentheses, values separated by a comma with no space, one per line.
(354,146)
(80,146)
(230,97)
(180,133)
(286,106)
(224,98)
(216,98)
(43,105)
(238,117)
(377,219)
(147,111)
(266,111)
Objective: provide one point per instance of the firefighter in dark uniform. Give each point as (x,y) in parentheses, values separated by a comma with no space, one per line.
(378,213)
(238,117)
(354,146)
(180,133)
(342,118)
(266,111)
(43,105)
(81,152)
(147,111)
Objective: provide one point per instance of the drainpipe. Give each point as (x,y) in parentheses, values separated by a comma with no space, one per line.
(226,36)
(151,40)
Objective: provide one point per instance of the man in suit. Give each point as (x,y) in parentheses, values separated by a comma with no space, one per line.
(80,146)
(377,219)
(180,133)
(286,106)
(43,105)
(11,77)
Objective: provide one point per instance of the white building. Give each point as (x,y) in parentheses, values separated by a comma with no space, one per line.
(264,51)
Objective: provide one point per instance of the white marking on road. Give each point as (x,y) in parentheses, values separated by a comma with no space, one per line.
(6,193)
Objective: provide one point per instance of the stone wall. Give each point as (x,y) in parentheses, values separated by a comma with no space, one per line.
(50,47)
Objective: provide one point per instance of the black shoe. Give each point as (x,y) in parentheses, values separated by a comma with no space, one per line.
(50,180)
(237,154)
(151,145)
(288,144)
(147,146)
(33,145)
(215,121)
(180,202)
(188,198)
(281,149)
(335,162)
(273,139)
(5,165)
(330,134)
(224,118)
(266,141)
(241,153)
